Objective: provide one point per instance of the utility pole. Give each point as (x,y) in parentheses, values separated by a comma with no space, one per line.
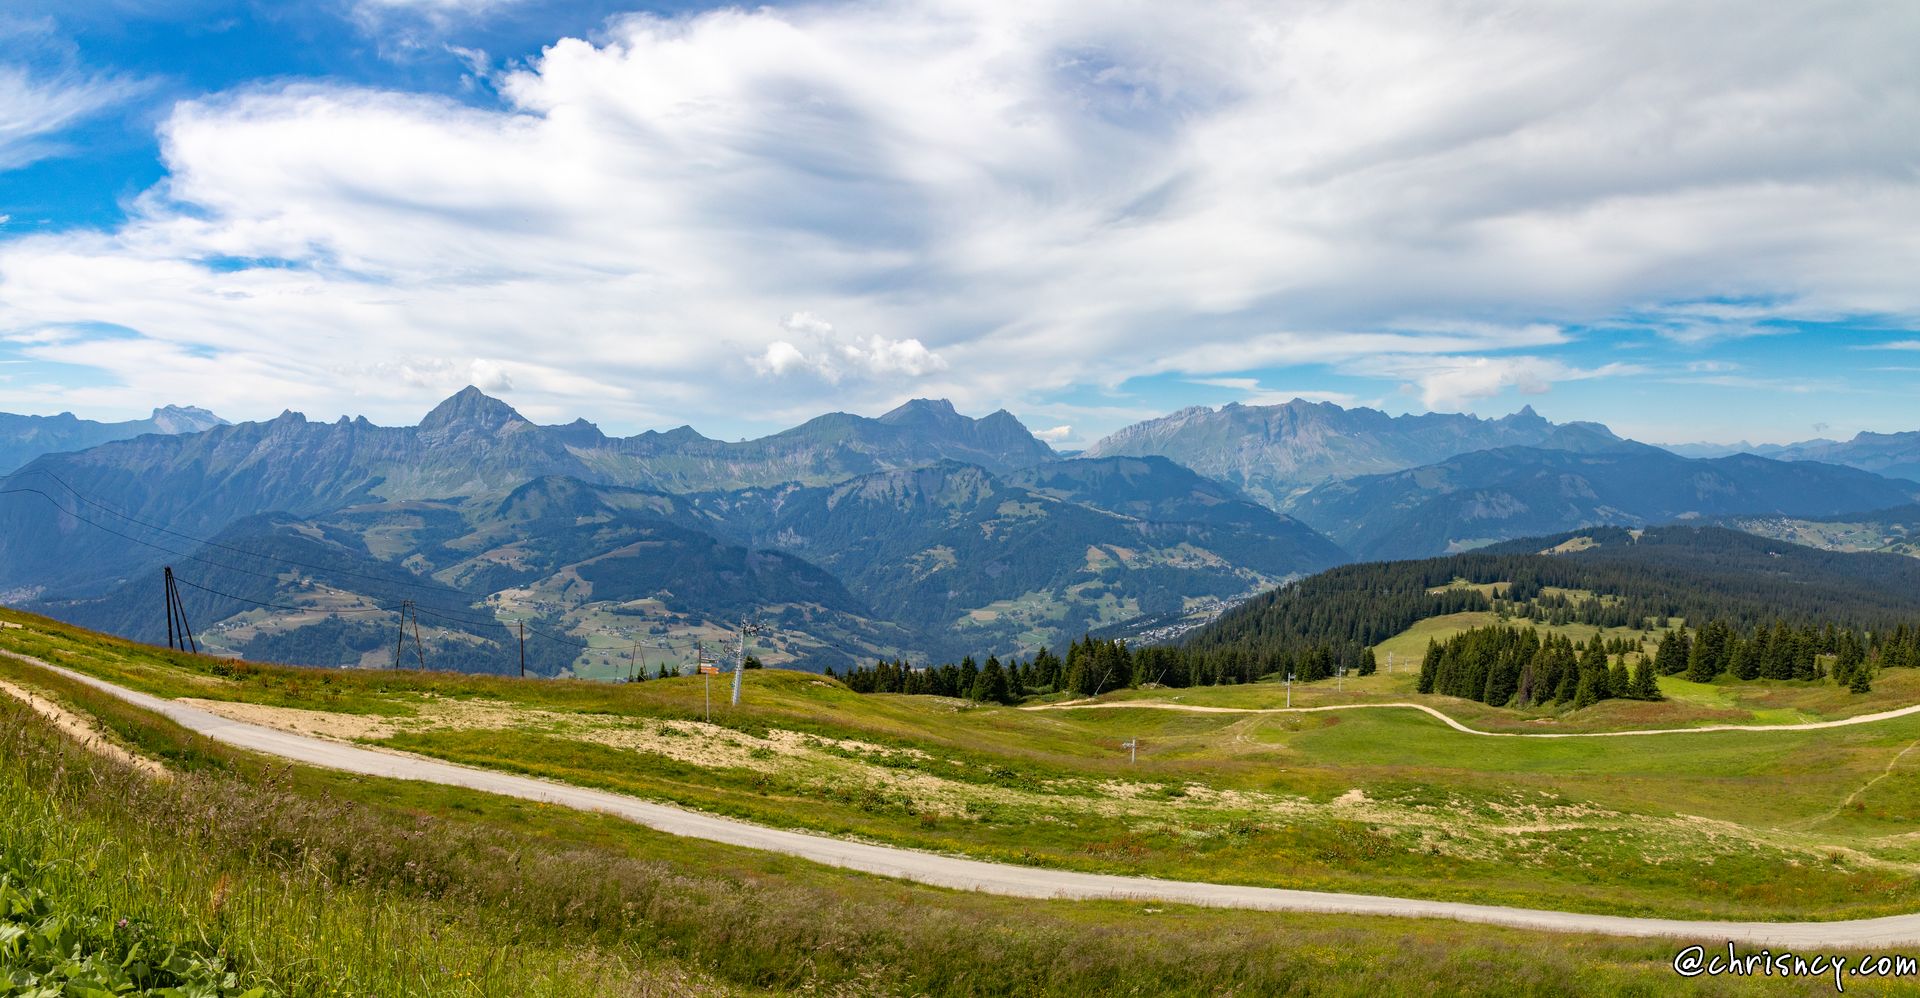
(740,667)
(400,639)
(633,660)
(179,635)
(417,650)
(166,592)
(523,649)
(1289,689)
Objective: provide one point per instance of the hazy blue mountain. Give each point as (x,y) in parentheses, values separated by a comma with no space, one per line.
(825,449)
(1276,451)
(943,560)
(23,438)
(1725,450)
(471,444)
(599,565)
(1895,455)
(978,562)
(1476,498)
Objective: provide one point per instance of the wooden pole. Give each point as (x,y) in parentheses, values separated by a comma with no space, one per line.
(523,649)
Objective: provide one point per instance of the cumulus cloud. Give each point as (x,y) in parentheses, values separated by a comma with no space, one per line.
(834,356)
(1055,434)
(1009,199)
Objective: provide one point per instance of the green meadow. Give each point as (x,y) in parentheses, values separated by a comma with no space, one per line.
(1385,801)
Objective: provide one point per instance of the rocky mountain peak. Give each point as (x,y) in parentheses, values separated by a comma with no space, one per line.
(471,409)
(923,412)
(184,419)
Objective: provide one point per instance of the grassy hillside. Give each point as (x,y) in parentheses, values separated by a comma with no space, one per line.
(1380,801)
(313,882)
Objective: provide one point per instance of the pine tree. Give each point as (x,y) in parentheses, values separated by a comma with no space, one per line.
(1645,685)
(1588,693)
(1746,660)
(1860,683)
(1619,684)
(1671,658)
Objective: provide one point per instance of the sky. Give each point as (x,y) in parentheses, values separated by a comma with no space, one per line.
(1693,222)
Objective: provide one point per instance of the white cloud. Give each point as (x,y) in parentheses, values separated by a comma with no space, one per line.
(1055,435)
(1893,345)
(1253,393)
(1008,199)
(1445,383)
(834,356)
(34,111)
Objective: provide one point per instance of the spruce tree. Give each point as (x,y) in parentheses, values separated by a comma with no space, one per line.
(1645,685)
(1588,693)
(1619,684)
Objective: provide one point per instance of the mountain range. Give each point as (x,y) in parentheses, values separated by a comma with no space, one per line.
(1895,455)
(921,532)
(1275,452)
(1476,498)
(23,438)
(970,535)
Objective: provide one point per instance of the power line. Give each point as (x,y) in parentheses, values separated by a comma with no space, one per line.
(411,609)
(281,606)
(83,497)
(55,503)
(183,553)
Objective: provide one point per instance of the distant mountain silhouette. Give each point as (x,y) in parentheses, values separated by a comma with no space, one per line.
(1276,451)
(1508,492)
(23,438)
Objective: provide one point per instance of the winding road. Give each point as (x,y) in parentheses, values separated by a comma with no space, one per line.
(999,878)
(1885,715)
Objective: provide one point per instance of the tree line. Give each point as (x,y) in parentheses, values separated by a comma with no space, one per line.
(1520,667)
(1093,666)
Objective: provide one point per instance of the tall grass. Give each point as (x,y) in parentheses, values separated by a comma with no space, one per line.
(200,870)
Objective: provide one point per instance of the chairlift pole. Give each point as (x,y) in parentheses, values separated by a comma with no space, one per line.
(740,666)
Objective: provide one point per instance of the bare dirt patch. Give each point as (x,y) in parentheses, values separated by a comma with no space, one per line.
(83,730)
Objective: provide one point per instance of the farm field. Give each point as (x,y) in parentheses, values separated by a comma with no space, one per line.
(1385,801)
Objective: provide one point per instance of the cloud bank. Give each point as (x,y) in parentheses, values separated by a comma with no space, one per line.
(843,206)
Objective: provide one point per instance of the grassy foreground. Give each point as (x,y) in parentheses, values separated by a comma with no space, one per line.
(295,881)
(1742,825)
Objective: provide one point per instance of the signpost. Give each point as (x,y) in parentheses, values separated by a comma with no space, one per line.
(1132,745)
(709,671)
(1289,689)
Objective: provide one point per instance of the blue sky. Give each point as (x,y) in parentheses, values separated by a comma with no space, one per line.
(1690,225)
